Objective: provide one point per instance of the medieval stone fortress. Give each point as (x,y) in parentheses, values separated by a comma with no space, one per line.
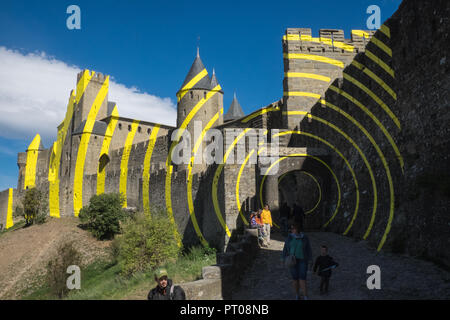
(351,142)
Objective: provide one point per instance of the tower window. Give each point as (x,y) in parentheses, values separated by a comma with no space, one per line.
(204,94)
(129,127)
(120,126)
(148,131)
(139,129)
(192,95)
(184,112)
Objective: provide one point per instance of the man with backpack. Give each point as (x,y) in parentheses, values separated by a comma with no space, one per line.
(165,290)
(296,256)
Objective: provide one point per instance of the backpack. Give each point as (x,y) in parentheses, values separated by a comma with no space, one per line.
(172,288)
(291,259)
(298,249)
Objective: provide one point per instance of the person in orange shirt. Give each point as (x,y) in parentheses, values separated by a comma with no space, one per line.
(266,219)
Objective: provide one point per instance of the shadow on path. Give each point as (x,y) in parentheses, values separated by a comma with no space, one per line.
(402,277)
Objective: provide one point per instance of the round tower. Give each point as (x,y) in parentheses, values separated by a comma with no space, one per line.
(199,99)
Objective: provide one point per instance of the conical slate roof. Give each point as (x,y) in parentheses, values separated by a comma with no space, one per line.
(196,68)
(214,81)
(234,112)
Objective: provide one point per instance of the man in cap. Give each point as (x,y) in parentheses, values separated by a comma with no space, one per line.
(165,290)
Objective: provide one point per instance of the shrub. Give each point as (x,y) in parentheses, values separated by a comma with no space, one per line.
(146,242)
(34,208)
(57,275)
(103,215)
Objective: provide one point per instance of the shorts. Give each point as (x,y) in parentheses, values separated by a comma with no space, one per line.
(299,271)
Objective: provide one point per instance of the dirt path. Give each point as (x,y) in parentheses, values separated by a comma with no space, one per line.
(24,253)
(402,277)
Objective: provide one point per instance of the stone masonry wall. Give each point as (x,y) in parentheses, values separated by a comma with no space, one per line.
(412,107)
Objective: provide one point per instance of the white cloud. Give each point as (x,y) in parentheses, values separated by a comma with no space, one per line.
(34,91)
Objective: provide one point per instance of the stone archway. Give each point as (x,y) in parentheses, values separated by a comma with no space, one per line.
(299,176)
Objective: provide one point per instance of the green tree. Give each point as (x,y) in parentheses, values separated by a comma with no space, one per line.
(34,207)
(103,214)
(146,242)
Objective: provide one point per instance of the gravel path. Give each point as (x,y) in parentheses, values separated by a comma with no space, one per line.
(402,277)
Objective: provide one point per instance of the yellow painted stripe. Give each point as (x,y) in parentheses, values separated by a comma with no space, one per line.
(361,33)
(125,159)
(375,78)
(306,75)
(169,204)
(55,162)
(83,83)
(147,167)
(343,158)
(83,147)
(295,113)
(216,180)
(262,111)
(169,167)
(301,94)
(314,57)
(375,119)
(374,97)
(318,188)
(189,182)
(192,83)
(391,189)
(327,41)
(238,182)
(385,29)
(32,158)
(310,156)
(9,212)
(317,184)
(380,62)
(366,162)
(380,44)
(386,168)
(101,175)
(194,111)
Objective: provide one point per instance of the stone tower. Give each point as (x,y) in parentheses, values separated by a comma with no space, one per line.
(200,102)
(312,64)
(89,84)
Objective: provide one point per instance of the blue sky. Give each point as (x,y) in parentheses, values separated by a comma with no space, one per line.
(149,46)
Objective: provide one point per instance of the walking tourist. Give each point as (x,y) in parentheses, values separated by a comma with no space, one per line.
(296,255)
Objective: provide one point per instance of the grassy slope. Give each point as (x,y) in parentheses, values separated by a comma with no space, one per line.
(102,279)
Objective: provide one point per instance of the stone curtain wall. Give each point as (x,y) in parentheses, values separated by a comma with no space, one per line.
(418,98)
(5,206)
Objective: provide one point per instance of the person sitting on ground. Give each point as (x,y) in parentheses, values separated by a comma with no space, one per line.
(261,234)
(253,223)
(297,244)
(322,267)
(165,290)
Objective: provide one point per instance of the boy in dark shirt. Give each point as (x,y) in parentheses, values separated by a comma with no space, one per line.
(324,264)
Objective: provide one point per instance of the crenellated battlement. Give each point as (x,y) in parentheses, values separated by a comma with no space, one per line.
(96,76)
(329,40)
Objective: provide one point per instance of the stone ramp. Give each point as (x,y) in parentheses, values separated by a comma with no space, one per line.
(402,277)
